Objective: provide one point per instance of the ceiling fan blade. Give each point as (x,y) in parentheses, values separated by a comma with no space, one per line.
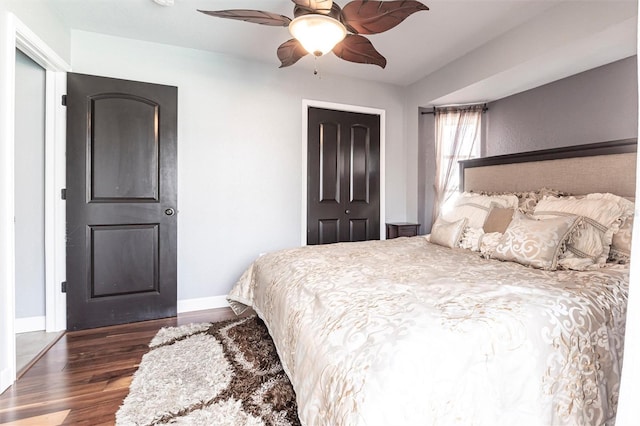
(248,15)
(290,52)
(315,6)
(355,48)
(373,17)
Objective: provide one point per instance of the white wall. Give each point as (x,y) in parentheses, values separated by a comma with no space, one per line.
(29,188)
(42,20)
(239,148)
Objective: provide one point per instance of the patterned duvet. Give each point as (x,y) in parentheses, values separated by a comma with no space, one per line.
(404,332)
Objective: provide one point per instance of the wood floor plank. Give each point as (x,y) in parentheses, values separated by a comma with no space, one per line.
(84,377)
(56,418)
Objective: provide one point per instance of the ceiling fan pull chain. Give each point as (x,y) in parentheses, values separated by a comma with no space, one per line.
(315,67)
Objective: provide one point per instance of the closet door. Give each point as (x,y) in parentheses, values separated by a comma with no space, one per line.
(343,176)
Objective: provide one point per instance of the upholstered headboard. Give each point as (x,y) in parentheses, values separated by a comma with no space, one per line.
(582,169)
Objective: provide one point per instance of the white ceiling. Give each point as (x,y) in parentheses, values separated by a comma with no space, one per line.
(424,43)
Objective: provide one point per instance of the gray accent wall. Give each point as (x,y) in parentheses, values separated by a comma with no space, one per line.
(29,187)
(597,105)
(594,106)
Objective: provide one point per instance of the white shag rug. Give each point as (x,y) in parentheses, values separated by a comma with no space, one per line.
(225,373)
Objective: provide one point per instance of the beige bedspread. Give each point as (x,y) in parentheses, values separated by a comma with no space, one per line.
(404,332)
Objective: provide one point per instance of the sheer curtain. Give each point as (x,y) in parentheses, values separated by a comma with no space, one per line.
(457,138)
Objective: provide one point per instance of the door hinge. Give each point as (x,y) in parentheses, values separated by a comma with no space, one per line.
(63,286)
(63,193)
(64,100)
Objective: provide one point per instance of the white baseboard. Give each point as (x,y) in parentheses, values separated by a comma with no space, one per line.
(202,303)
(6,379)
(25,325)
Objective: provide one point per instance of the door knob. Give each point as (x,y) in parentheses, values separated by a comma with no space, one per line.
(347,211)
(169,212)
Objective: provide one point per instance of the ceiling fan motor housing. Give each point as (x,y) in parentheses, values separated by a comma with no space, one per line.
(299,11)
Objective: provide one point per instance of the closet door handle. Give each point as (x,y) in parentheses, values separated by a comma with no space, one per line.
(169,212)
(347,211)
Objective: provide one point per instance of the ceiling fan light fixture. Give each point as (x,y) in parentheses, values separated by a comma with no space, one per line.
(318,34)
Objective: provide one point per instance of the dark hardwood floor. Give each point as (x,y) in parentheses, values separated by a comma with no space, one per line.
(85,376)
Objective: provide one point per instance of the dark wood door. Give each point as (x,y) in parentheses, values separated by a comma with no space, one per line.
(121,201)
(343,176)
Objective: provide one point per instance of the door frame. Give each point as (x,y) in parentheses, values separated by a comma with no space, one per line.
(309,103)
(17,35)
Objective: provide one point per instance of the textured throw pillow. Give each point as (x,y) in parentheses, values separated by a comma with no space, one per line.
(621,241)
(471,238)
(476,207)
(527,200)
(446,233)
(498,220)
(488,244)
(602,218)
(536,243)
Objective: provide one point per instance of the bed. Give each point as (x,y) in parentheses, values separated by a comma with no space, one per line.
(410,332)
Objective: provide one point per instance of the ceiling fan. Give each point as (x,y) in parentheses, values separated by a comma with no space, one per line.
(321,26)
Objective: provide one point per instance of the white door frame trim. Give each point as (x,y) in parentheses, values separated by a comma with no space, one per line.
(306,104)
(16,35)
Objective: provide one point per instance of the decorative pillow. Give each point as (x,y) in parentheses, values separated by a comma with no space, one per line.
(471,238)
(602,218)
(628,206)
(536,243)
(488,243)
(476,207)
(527,200)
(621,241)
(447,234)
(498,220)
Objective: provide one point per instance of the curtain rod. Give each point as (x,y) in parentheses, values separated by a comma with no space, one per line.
(485,108)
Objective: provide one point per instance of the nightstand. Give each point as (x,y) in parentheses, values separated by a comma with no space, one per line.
(402,229)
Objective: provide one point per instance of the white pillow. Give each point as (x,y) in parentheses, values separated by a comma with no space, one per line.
(621,241)
(447,234)
(488,243)
(476,207)
(536,243)
(471,238)
(601,219)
